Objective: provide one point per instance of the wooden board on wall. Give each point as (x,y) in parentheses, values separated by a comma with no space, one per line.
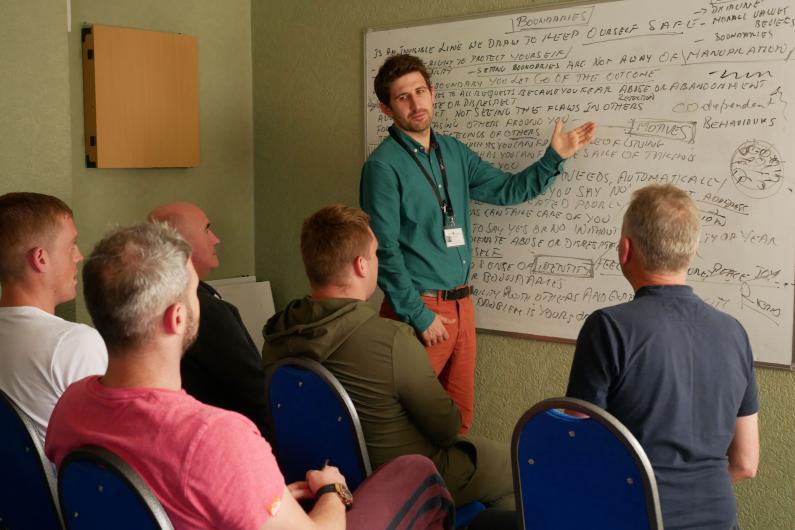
(141,98)
(692,92)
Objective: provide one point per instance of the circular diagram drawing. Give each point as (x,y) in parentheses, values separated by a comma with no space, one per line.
(757,170)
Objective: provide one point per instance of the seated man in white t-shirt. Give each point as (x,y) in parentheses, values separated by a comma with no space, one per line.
(40,353)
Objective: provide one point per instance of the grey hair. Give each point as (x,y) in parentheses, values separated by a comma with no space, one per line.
(664,225)
(131,277)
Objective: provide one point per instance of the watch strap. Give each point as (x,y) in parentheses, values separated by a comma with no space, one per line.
(347,501)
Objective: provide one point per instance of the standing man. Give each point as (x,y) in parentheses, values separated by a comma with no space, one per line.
(223,368)
(416,187)
(40,353)
(677,372)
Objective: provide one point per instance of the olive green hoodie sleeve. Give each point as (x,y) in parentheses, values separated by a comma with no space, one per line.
(419,391)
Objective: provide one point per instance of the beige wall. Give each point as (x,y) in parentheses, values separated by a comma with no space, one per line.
(308,130)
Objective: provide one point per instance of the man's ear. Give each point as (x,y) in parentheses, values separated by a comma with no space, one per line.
(360,267)
(38,259)
(625,250)
(175,318)
(385,109)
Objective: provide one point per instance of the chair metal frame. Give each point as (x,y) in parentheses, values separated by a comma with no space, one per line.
(45,466)
(612,424)
(319,371)
(126,475)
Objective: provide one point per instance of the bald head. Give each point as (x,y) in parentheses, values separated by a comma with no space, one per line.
(194,226)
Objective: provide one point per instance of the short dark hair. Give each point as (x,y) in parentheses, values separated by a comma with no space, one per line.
(394,68)
(25,217)
(331,239)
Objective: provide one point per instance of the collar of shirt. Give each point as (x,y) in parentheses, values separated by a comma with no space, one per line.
(410,142)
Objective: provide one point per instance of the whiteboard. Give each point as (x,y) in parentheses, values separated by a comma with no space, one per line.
(700,94)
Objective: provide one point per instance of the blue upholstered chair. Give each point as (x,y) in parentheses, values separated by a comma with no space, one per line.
(313,421)
(27,478)
(98,490)
(572,473)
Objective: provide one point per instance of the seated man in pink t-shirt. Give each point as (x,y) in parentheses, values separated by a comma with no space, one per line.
(209,467)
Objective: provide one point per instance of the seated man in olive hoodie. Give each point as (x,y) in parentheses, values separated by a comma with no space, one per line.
(401,404)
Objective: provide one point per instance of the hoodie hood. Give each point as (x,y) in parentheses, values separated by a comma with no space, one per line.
(313,328)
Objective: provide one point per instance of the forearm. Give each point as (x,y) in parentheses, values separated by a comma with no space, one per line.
(328,513)
(492,185)
(404,297)
(743,453)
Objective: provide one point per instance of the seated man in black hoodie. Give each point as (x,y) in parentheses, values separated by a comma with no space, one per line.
(401,404)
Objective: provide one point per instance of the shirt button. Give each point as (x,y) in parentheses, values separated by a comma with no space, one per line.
(415,149)
(463,261)
(440,186)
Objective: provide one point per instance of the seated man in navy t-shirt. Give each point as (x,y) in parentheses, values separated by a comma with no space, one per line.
(677,372)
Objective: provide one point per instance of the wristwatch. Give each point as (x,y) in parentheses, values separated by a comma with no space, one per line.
(341,490)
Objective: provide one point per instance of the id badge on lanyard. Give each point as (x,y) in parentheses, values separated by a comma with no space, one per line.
(453,235)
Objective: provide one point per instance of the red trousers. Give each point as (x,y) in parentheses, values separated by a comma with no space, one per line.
(453,360)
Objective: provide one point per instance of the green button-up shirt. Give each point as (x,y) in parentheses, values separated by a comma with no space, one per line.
(408,222)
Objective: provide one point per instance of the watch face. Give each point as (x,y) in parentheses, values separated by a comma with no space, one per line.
(344,493)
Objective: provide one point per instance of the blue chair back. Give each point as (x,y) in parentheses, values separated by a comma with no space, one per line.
(313,421)
(572,473)
(98,490)
(27,478)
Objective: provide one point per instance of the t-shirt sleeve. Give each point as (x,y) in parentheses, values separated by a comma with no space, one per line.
(750,404)
(233,479)
(595,360)
(80,352)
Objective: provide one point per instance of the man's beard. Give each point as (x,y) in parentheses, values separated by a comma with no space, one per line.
(192,332)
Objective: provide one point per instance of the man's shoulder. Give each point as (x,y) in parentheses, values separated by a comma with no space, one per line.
(42,327)
(81,332)
(448,141)
(207,296)
(386,326)
(384,154)
(214,309)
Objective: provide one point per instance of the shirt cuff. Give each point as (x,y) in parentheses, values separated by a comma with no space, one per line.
(424,321)
(555,157)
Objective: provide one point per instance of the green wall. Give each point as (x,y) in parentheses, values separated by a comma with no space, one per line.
(41,135)
(223,183)
(34,100)
(35,146)
(309,147)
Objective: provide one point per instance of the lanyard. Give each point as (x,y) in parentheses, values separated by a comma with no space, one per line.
(445,205)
